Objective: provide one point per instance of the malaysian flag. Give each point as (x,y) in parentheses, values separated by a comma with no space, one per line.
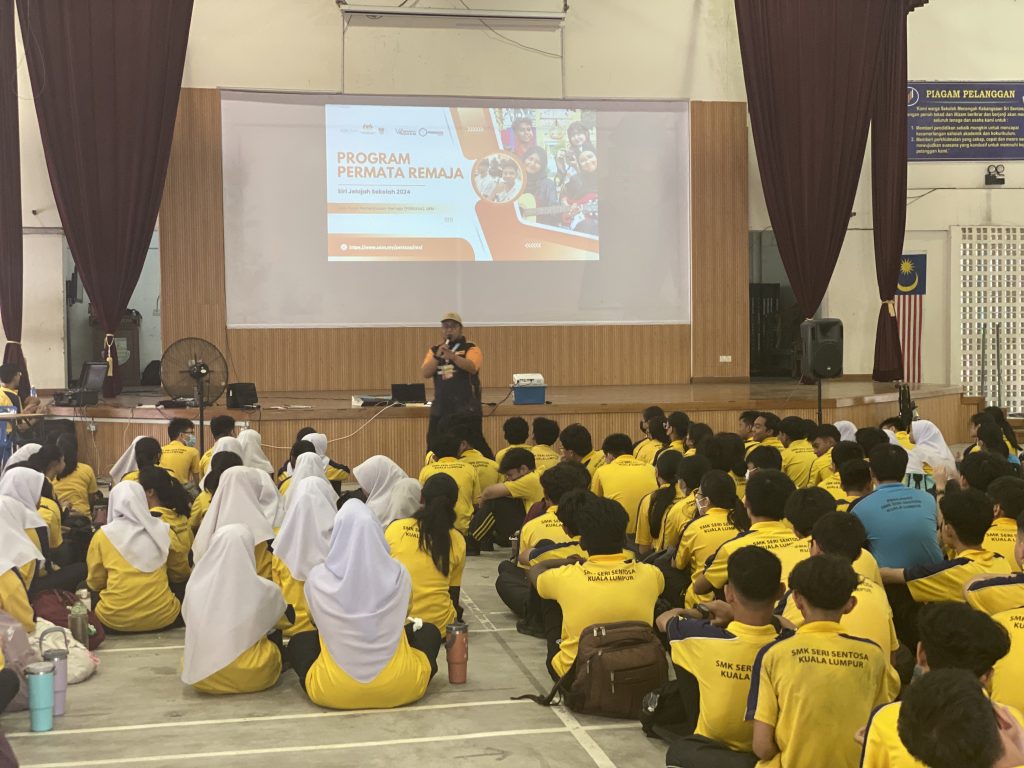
(910,290)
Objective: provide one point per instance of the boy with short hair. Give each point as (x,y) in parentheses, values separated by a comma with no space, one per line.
(855,479)
(220,426)
(766,430)
(1007,493)
(447,449)
(798,455)
(824,437)
(763,457)
(817,677)
(842,452)
(179,456)
(578,446)
(517,433)
(746,430)
(624,478)
(503,506)
(545,434)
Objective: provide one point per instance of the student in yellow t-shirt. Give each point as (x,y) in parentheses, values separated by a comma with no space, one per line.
(725,452)
(578,446)
(1001,537)
(433,553)
(798,455)
(147,453)
(609,586)
(896,426)
(517,434)
(16,549)
(824,437)
(362,655)
(690,473)
(503,506)
(220,426)
(170,502)
(766,429)
(654,507)
(763,457)
(229,611)
(623,478)
(446,448)
(713,662)
(839,454)
(545,435)
(179,456)
(948,720)
(696,433)
(75,485)
(720,518)
(952,636)
(219,464)
(127,562)
(745,430)
(793,683)
(652,424)
(678,426)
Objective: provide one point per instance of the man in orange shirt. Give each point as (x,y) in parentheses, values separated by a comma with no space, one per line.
(454,365)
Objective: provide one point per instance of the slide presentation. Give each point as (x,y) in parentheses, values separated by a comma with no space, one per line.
(367,211)
(461,184)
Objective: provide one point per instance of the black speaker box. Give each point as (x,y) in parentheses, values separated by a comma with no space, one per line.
(822,348)
(242,395)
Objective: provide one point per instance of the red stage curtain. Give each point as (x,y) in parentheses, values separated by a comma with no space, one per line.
(810,68)
(889,183)
(11,265)
(106,75)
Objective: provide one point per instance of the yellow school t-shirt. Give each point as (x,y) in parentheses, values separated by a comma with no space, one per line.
(774,535)
(647,450)
(592,461)
(180,460)
(626,480)
(294,594)
(336,474)
(465,477)
(821,469)
(644,536)
(49,510)
(256,669)
(178,568)
(200,507)
(527,489)
(402,681)
(486,469)
(676,519)
(834,486)
(601,590)
(797,461)
(720,659)
(132,476)
(14,600)
(76,489)
(130,600)
(204,462)
(997,594)
(1001,538)
(814,676)
(701,539)
(28,570)
(545,457)
(936,582)
(544,529)
(430,599)
(501,454)
(1009,670)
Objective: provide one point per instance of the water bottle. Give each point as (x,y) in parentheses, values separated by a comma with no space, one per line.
(59,657)
(84,598)
(457,650)
(78,623)
(39,677)
(32,392)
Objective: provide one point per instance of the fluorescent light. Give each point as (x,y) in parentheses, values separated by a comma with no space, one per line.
(460,13)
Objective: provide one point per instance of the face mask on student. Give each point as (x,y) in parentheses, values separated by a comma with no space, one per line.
(190,441)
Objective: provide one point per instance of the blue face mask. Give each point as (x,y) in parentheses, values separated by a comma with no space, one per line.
(190,441)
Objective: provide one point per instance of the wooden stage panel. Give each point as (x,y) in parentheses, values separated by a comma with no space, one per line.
(107,429)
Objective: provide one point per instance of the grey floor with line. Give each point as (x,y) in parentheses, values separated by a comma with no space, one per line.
(136,711)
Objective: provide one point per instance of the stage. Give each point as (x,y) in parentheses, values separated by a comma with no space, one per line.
(105,430)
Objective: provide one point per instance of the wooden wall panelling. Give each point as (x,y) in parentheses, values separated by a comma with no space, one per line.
(720,263)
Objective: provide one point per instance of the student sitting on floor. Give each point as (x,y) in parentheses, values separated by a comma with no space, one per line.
(128,566)
(517,435)
(678,424)
(816,678)
(798,454)
(690,472)
(578,446)
(229,610)
(302,543)
(763,457)
(767,427)
(713,662)
(503,506)
(948,721)
(219,464)
(252,451)
(336,472)
(1001,537)
(169,501)
(245,496)
(147,453)
(179,456)
(696,433)
(652,424)
(307,464)
(824,437)
(545,435)
(839,454)
(363,654)
(952,636)
(378,476)
(220,426)
(609,586)
(433,553)
(446,449)
(725,452)
(49,461)
(623,478)
(298,448)
(75,485)
(16,551)
(655,505)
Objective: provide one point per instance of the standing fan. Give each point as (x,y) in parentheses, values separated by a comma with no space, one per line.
(194,373)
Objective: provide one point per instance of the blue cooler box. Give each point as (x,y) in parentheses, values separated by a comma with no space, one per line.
(529,395)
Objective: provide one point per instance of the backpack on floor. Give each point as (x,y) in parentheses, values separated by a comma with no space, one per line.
(616,666)
(53,605)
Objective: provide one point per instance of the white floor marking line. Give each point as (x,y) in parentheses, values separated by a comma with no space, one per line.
(258,719)
(141,648)
(301,748)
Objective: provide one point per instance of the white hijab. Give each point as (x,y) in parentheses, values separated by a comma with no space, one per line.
(359,597)
(318,441)
(226,444)
(929,448)
(241,497)
(305,534)
(405,499)
(377,477)
(16,548)
(125,464)
(228,607)
(26,452)
(20,489)
(252,451)
(847,430)
(306,465)
(142,540)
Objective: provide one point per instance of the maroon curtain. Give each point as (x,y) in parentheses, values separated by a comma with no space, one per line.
(106,75)
(889,183)
(11,265)
(809,67)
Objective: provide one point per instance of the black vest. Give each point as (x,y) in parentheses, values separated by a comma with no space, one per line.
(455,390)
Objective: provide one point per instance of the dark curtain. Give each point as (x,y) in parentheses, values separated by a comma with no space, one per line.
(11,264)
(106,75)
(889,182)
(809,67)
